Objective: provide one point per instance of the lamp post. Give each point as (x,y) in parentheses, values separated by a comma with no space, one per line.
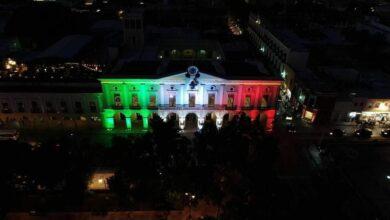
(190,197)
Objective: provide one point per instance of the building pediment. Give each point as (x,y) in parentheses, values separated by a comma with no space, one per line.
(185,77)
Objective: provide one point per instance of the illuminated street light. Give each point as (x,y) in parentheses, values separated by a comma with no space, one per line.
(283,74)
(189,199)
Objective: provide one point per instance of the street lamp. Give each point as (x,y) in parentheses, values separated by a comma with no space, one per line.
(190,198)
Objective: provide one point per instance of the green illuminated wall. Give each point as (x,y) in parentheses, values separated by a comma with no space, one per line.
(126,88)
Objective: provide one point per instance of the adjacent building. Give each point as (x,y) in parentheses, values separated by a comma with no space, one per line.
(283,53)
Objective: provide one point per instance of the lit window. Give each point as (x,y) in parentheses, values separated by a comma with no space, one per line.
(152,101)
(230,101)
(117,100)
(134,100)
(211,101)
(172,100)
(191,101)
(247,102)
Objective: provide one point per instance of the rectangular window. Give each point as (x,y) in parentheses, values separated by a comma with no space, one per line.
(78,107)
(230,101)
(134,100)
(172,100)
(5,107)
(191,100)
(34,107)
(92,107)
(264,101)
(117,100)
(138,24)
(152,100)
(211,101)
(64,107)
(49,107)
(309,115)
(247,102)
(20,107)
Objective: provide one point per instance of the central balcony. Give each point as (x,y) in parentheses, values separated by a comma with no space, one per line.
(196,107)
(249,107)
(232,107)
(135,107)
(188,107)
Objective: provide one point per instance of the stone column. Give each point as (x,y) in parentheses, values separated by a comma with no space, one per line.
(142,93)
(257,98)
(99,103)
(221,95)
(128,122)
(163,115)
(200,122)
(201,95)
(145,120)
(126,99)
(182,88)
(161,95)
(219,122)
(107,99)
(182,122)
(239,97)
(108,121)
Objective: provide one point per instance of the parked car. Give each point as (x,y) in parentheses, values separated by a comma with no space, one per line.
(7,135)
(336,132)
(291,128)
(363,133)
(385,132)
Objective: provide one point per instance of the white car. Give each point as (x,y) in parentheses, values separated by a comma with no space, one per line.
(9,135)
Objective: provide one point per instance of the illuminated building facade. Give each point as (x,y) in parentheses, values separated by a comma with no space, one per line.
(283,52)
(189,97)
(359,109)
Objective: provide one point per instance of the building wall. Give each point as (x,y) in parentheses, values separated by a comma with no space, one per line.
(126,103)
(345,111)
(33,110)
(341,111)
(254,98)
(283,58)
